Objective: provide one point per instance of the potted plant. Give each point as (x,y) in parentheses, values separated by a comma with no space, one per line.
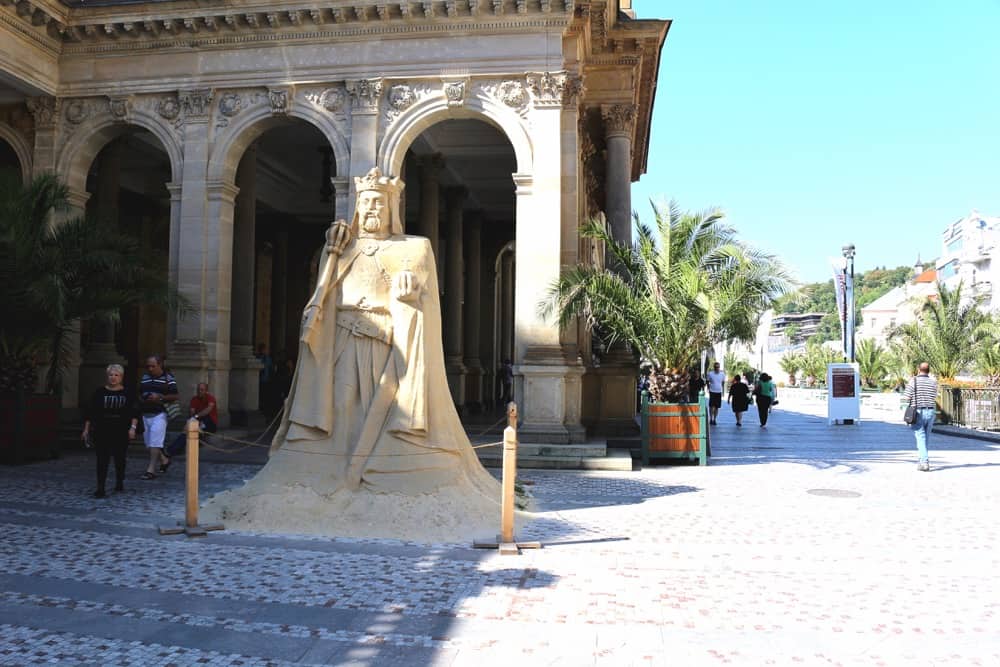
(791,363)
(52,275)
(684,285)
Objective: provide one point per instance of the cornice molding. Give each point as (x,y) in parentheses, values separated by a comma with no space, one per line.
(127,29)
(38,33)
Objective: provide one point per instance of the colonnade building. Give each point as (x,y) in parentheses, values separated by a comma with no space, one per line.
(225,135)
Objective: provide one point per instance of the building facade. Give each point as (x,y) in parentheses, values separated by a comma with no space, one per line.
(969,248)
(225,137)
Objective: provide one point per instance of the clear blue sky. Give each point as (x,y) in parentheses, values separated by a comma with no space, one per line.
(817,124)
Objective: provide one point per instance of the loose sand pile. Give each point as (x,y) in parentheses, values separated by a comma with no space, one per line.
(308,502)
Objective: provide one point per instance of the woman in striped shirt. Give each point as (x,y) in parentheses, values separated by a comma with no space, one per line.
(921,392)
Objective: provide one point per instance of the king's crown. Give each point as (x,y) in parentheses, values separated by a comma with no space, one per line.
(374,180)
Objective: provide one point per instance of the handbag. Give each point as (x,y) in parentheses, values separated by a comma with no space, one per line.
(910,416)
(173,409)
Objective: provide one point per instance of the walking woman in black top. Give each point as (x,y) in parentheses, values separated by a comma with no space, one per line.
(739,398)
(110,422)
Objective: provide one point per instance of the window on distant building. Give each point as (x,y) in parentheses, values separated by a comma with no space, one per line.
(955,245)
(892,322)
(948,270)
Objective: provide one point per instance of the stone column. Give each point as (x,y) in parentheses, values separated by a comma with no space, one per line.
(619,125)
(101,349)
(341,198)
(199,351)
(430,202)
(545,378)
(279,296)
(365,94)
(453,293)
(472,313)
(245,374)
(45,111)
(616,377)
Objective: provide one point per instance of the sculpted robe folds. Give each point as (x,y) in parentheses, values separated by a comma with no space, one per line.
(369,425)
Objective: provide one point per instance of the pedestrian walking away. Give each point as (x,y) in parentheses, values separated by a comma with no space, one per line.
(156,388)
(921,392)
(716,384)
(765,392)
(110,422)
(739,398)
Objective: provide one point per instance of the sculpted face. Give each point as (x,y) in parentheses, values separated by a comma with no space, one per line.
(373,209)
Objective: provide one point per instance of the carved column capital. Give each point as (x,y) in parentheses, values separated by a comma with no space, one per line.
(196,104)
(121,108)
(619,120)
(365,94)
(555,89)
(45,110)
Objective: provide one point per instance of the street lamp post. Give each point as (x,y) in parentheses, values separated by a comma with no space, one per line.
(849,324)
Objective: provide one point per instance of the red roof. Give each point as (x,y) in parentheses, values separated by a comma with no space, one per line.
(928,276)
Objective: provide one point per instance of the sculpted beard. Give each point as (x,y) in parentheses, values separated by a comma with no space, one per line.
(371,222)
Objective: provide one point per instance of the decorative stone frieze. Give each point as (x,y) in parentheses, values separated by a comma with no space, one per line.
(168,107)
(77,111)
(44,109)
(399,98)
(230,104)
(365,94)
(619,119)
(554,89)
(120,108)
(455,92)
(332,99)
(196,104)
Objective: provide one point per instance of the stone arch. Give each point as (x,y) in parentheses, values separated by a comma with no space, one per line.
(435,109)
(248,126)
(95,133)
(22,148)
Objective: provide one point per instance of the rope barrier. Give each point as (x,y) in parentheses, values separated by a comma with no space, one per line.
(206,439)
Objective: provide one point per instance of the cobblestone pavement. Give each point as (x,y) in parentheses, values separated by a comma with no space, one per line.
(801,544)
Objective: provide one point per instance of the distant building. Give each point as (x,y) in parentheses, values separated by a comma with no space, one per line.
(968,247)
(897,307)
(789,330)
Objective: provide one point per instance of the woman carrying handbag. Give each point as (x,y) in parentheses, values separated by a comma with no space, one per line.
(921,392)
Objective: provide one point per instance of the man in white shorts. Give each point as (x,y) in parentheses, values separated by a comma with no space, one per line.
(716,385)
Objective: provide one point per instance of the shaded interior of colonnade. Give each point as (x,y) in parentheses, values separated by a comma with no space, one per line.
(127,190)
(9,161)
(460,194)
(285,204)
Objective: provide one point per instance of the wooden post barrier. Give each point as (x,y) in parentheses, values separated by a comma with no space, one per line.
(505,542)
(190,526)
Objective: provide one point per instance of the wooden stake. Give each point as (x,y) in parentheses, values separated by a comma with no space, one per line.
(506,543)
(190,526)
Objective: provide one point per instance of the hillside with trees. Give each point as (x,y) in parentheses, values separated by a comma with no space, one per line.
(820,297)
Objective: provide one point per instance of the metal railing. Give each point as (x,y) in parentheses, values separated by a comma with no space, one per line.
(973,408)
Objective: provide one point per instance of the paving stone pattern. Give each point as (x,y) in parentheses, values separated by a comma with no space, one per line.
(800,544)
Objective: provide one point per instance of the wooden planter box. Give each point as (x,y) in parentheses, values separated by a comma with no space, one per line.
(29,427)
(675,431)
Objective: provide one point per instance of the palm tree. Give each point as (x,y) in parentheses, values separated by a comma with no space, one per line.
(55,274)
(873,362)
(948,332)
(733,364)
(791,363)
(684,285)
(815,360)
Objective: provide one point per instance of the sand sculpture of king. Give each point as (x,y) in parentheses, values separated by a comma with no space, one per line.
(369,412)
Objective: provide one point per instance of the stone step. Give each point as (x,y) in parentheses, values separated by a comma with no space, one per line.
(615,459)
(587,450)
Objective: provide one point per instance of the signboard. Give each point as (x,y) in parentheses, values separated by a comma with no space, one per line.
(843,402)
(842,382)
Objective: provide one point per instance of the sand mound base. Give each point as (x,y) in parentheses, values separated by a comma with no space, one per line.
(451,514)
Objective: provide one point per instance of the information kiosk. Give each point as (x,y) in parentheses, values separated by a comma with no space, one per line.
(843,403)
